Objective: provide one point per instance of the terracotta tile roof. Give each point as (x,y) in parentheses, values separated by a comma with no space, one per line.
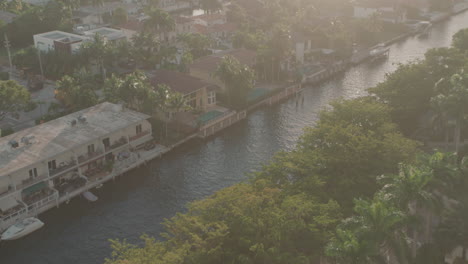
(179,82)
(210,63)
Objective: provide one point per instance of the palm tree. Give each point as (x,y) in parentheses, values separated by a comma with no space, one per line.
(178,103)
(238,79)
(162,99)
(210,6)
(453,103)
(409,188)
(100,51)
(145,48)
(374,235)
(159,21)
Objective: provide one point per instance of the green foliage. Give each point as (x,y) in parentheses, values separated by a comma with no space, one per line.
(53,16)
(14,98)
(196,43)
(119,16)
(7,131)
(210,6)
(134,91)
(238,79)
(460,40)
(78,91)
(351,144)
(246,223)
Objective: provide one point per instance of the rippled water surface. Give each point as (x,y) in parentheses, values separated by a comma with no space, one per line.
(140,201)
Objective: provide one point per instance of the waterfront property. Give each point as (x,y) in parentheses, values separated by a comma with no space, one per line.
(48,164)
(198,94)
(205,67)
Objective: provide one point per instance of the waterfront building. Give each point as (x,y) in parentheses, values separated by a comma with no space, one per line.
(198,94)
(205,67)
(48,164)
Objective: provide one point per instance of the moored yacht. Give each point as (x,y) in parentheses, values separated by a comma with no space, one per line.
(22,228)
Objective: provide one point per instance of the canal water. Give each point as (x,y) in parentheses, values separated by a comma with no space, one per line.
(140,201)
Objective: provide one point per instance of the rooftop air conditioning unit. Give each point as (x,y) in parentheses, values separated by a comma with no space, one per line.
(82,119)
(13,143)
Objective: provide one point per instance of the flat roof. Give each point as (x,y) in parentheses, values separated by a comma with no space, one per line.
(60,36)
(58,136)
(106,32)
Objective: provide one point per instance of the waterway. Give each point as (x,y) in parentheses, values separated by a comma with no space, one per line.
(140,201)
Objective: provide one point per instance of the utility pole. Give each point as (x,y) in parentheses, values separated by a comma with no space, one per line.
(7,46)
(40,63)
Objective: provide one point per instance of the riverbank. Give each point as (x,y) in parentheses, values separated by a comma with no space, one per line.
(138,202)
(362,56)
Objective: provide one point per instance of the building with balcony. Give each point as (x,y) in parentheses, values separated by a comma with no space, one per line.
(50,163)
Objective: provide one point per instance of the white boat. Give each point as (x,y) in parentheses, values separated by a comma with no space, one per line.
(90,196)
(22,228)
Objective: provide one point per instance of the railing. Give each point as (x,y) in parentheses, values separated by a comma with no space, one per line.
(216,119)
(88,156)
(29,182)
(140,135)
(10,190)
(122,141)
(63,167)
(13,216)
(42,202)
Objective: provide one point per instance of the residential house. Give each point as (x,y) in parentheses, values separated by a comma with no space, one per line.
(109,34)
(388,11)
(48,164)
(93,15)
(174,5)
(205,67)
(199,94)
(59,41)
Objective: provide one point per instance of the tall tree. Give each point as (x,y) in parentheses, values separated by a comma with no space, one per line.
(453,102)
(14,98)
(238,79)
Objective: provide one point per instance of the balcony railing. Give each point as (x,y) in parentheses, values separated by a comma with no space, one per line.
(29,182)
(36,197)
(88,156)
(44,200)
(98,173)
(10,190)
(13,213)
(118,143)
(140,135)
(62,167)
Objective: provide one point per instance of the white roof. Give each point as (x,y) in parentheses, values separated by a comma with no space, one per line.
(57,136)
(62,36)
(106,32)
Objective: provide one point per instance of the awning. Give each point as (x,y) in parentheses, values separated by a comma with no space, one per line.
(35,188)
(7,203)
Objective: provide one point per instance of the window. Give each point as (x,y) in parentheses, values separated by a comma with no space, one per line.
(138,129)
(91,148)
(33,173)
(211,97)
(52,165)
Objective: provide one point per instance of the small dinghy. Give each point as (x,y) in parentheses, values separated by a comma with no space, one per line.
(90,196)
(22,228)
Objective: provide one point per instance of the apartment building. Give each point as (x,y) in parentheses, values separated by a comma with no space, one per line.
(48,164)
